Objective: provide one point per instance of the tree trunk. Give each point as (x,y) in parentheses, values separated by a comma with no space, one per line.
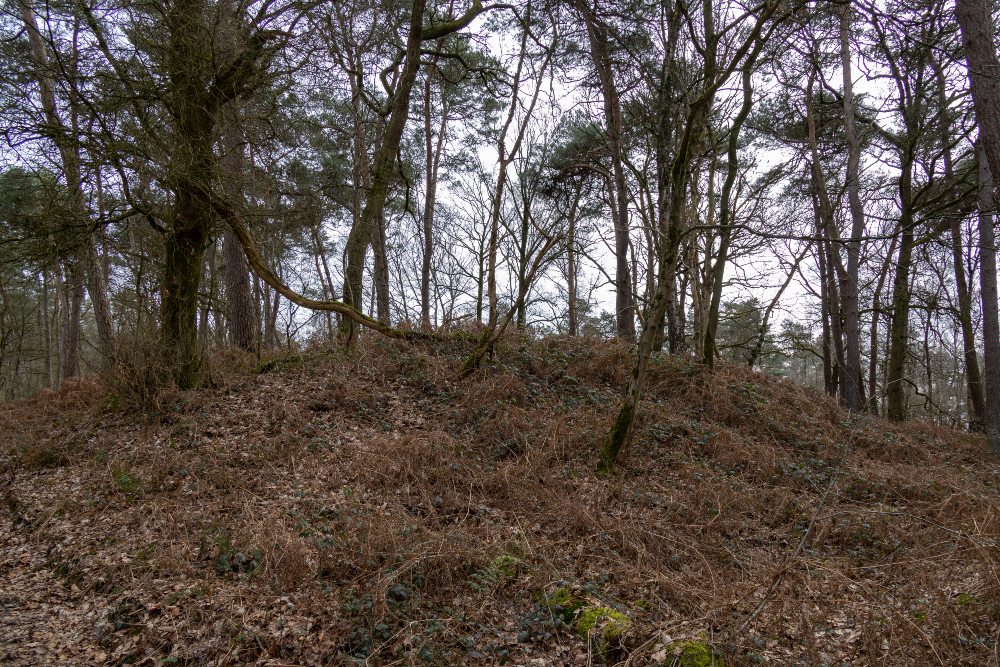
(976,22)
(852,391)
(977,25)
(385,157)
(896,408)
(618,194)
(571,263)
(381,277)
(835,273)
(991,320)
(47,330)
(694,127)
(719,270)
(873,393)
(73,288)
(433,151)
(241,311)
(970,357)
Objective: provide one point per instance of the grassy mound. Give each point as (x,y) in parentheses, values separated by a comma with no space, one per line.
(325,508)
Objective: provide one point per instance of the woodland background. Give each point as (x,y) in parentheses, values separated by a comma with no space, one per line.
(796,186)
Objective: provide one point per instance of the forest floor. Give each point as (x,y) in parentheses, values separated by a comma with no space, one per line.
(331,508)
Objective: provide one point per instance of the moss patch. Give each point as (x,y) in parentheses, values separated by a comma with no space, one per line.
(692,653)
(603,627)
(608,622)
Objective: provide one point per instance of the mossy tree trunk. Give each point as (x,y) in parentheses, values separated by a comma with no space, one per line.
(745,55)
(364,228)
(192,169)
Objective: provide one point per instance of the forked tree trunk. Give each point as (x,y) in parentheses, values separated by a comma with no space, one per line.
(364,228)
(710,348)
(694,127)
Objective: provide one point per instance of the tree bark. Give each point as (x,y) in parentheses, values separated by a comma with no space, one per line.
(241,311)
(977,26)
(601,57)
(362,231)
(896,408)
(991,319)
(191,171)
(976,23)
(852,390)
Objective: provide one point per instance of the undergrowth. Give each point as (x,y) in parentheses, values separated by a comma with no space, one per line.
(369,506)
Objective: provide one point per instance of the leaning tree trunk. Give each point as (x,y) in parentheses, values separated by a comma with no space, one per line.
(363,230)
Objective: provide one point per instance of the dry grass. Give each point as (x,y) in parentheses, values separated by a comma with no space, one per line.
(372,505)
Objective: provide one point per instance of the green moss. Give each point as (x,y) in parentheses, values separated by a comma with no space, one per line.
(603,628)
(692,653)
(610,624)
(561,603)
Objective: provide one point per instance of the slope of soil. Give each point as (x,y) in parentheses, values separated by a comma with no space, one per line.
(326,509)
